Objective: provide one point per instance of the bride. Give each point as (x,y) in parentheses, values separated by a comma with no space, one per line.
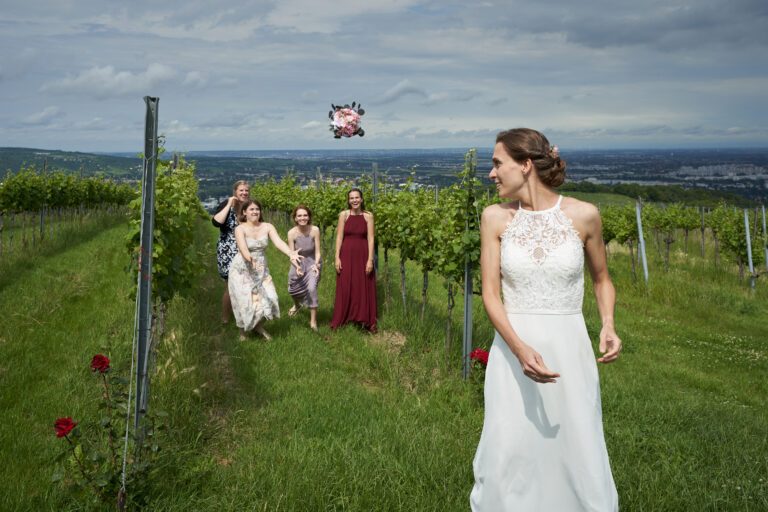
(542,445)
(254,299)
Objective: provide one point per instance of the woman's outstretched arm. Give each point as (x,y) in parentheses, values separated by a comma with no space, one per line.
(282,246)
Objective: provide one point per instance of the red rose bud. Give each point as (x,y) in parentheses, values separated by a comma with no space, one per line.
(99,363)
(480,355)
(63,426)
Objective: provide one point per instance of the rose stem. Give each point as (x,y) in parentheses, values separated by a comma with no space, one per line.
(109,415)
(82,470)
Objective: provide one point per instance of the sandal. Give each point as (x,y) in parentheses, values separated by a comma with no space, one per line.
(295,309)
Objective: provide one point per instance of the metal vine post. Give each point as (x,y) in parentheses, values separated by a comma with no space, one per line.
(144,292)
(468,296)
(640,239)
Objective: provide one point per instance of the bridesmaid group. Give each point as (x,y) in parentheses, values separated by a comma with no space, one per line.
(250,292)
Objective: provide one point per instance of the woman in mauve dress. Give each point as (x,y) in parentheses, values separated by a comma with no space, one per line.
(302,281)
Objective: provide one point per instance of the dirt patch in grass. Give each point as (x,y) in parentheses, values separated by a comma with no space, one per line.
(391,341)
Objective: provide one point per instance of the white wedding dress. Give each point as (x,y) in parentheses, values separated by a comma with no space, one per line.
(542,446)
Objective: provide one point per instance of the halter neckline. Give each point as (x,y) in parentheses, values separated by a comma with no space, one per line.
(521,209)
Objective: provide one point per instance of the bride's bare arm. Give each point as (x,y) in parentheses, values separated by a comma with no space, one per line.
(605,293)
(492,225)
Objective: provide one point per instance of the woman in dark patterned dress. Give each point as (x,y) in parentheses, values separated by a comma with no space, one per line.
(225,218)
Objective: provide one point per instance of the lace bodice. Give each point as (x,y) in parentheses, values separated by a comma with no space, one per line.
(542,263)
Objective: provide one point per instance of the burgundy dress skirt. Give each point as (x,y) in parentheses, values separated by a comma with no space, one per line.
(355,290)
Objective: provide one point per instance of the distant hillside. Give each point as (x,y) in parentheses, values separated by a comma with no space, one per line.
(13,159)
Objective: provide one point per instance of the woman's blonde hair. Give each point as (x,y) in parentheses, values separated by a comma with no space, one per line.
(237,185)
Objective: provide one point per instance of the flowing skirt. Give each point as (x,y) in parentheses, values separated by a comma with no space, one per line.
(252,292)
(542,447)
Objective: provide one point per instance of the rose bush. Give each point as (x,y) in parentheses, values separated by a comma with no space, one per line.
(479,355)
(91,462)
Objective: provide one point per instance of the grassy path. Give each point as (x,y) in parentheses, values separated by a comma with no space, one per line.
(349,421)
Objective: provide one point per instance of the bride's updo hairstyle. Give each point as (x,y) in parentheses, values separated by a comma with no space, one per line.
(524,143)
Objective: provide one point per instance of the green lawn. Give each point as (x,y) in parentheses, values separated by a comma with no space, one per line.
(351,421)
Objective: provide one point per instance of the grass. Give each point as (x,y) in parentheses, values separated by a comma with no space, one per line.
(350,421)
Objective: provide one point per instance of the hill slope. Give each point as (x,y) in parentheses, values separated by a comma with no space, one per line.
(12,159)
(348,421)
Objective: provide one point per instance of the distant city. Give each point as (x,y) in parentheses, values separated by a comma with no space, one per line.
(740,171)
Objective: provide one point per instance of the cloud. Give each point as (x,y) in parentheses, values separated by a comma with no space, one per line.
(656,132)
(449,97)
(107,82)
(327,18)
(173,127)
(234,121)
(313,124)
(672,26)
(195,79)
(310,96)
(403,88)
(94,124)
(45,117)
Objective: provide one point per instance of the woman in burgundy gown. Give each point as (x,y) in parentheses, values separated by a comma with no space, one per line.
(355,280)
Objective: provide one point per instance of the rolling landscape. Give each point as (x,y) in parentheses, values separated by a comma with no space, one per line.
(731,174)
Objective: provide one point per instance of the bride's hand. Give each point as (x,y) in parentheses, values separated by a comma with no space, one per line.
(610,345)
(533,365)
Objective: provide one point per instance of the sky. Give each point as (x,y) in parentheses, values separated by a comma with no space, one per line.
(262,74)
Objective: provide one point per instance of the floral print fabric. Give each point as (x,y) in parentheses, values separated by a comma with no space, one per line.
(252,292)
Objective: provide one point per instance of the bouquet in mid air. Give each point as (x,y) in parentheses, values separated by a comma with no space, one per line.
(345,120)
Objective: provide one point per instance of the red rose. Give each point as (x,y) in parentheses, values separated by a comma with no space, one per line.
(99,363)
(480,355)
(63,426)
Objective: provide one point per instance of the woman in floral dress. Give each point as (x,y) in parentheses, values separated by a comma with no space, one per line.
(254,299)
